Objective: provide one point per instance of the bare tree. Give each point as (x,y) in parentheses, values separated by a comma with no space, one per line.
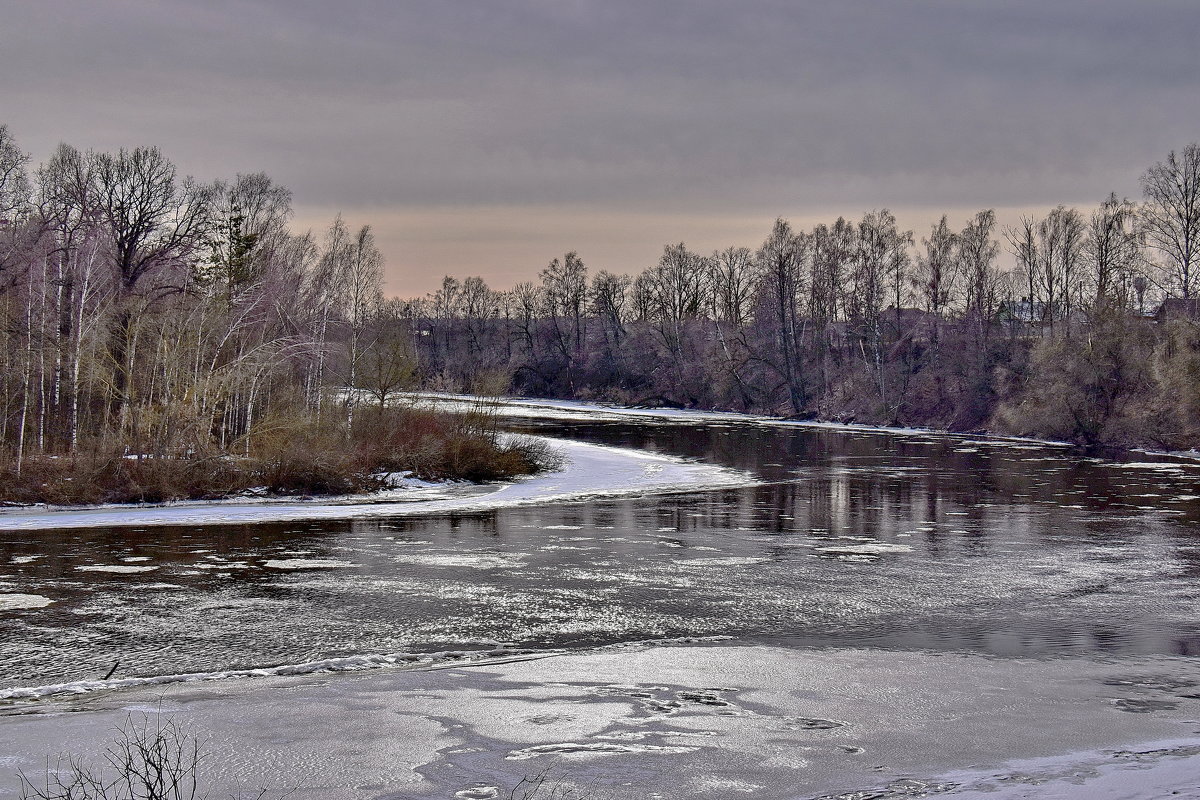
(564,287)
(678,286)
(781,267)
(364,274)
(14,180)
(732,285)
(609,294)
(1060,247)
(937,268)
(154,225)
(1171,215)
(977,252)
(882,255)
(1023,244)
(1113,252)
(937,272)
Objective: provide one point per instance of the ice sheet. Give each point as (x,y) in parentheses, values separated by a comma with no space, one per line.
(686,721)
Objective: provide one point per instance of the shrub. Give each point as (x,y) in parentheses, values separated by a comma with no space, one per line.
(286,455)
(148,760)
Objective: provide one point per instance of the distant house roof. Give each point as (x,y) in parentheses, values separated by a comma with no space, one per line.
(1177,308)
(1023,310)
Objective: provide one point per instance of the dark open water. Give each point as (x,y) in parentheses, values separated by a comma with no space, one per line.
(856,539)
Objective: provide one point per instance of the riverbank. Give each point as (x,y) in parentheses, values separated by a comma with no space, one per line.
(581,472)
(676,721)
(567,410)
(382,450)
(899,614)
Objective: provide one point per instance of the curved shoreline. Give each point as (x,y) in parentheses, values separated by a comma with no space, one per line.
(591,472)
(581,410)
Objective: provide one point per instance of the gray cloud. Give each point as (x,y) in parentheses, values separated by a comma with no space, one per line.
(754,107)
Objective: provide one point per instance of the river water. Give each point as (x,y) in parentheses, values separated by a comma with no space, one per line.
(851,538)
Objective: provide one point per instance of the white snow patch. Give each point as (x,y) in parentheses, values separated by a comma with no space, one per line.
(867,549)
(13,602)
(478,793)
(572,748)
(341,664)
(120,569)
(527,408)
(482,561)
(302,563)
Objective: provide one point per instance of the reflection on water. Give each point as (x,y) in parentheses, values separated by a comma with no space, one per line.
(856,539)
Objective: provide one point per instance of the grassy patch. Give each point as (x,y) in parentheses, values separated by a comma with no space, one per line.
(284,456)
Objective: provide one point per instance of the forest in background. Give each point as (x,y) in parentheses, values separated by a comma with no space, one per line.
(1089,335)
(164,338)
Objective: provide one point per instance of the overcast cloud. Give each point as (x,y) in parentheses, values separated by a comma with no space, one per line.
(485,137)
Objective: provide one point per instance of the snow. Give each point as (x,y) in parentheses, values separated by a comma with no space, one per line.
(15,602)
(671,721)
(298,563)
(866,549)
(327,665)
(526,408)
(120,569)
(591,471)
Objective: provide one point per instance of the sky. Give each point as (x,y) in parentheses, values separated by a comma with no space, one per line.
(488,137)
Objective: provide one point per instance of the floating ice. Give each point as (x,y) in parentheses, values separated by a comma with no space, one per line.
(569,748)
(303,563)
(482,561)
(14,602)
(120,569)
(867,549)
(343,664)
(478,793)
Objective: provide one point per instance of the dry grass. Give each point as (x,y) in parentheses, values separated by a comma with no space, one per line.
(287,455)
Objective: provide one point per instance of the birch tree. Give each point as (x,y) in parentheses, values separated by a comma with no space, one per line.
(1171,216)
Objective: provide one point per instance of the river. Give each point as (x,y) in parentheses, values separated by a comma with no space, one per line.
(899,547)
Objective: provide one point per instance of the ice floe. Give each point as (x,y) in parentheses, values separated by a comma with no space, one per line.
(575,748)
(120,569)
(303,563)
(343,664)
(16,602)
(866,549)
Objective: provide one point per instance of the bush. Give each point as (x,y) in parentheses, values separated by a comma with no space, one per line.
(545,785)
(148,760)
(286,455)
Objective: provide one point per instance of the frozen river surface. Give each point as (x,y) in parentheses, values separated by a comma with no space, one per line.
(831,611)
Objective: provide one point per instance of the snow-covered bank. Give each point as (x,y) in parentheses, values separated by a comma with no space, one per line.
(710,722)
(582,411)
(590,471)
(528,408)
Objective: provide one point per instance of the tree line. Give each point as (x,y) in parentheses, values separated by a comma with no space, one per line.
(864,320)
(148,316)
